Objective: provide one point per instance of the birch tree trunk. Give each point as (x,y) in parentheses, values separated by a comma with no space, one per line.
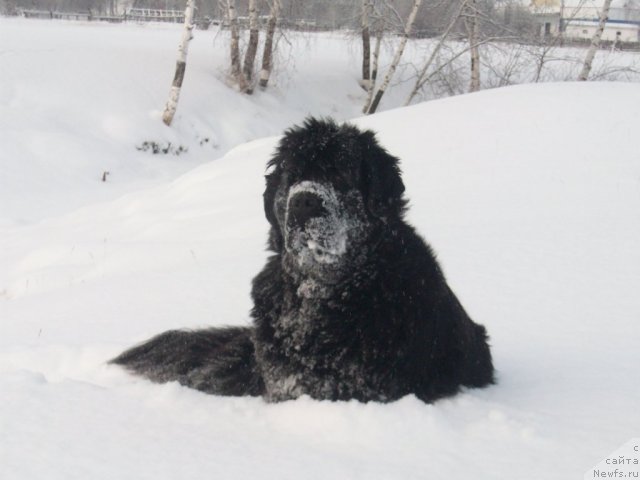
(376,57)
(181,64)
(595,42)
(367,8)
(421,76)
(374,68)
(372,107)
(267,55)
(471,21)
(252,48)
(236,68)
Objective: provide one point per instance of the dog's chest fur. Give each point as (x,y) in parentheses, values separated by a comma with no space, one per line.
(315,349)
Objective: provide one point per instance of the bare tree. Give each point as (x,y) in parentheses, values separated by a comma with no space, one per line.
(181,64)
(420,80)
(471,22)
(376,56)
(367,10)
(252,48)
(374,67)
(543,55)
(373,105)
(544,49)
(595,42)
(236,69)
(447,71)
(267,54)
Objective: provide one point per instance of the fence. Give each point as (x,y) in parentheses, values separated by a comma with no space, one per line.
(154,15)
(131,15)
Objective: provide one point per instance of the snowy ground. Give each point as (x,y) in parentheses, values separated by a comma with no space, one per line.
(90,93)
(530,195)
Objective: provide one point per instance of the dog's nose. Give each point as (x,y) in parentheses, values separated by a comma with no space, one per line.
(304,206)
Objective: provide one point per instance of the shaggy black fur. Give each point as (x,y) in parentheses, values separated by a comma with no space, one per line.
(353,305)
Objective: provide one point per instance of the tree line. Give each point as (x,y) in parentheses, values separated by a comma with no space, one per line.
(499,37)
(324,14)
(458,28)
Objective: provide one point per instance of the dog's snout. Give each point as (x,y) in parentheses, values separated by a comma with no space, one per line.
(304,206)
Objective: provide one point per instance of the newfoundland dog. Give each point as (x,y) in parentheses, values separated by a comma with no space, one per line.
(351,305)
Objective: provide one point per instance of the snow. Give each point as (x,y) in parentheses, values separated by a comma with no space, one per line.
(530,195)
(92,92)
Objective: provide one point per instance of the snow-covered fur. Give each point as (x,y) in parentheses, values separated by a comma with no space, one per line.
(352,305)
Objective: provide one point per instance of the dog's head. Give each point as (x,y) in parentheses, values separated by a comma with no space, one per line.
(329,190)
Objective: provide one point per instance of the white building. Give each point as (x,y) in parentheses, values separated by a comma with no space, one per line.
(613,32)
(578,19)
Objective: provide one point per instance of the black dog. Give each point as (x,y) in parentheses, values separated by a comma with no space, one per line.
(352,305)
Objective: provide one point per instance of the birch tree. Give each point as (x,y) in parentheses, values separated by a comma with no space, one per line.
(595,42)
(267,54)
(374,66)
(373,105)
(367,10)
(252,48)
(236,69)
(181,64)
(376,57)
(471,22)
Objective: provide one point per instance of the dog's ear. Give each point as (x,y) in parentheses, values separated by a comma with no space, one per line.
(272,181)
(269,196)
(383,187)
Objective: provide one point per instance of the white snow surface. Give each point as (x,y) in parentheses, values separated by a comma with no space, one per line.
(530,195)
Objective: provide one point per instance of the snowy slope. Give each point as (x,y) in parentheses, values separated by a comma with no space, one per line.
(531,197)
(76,99)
